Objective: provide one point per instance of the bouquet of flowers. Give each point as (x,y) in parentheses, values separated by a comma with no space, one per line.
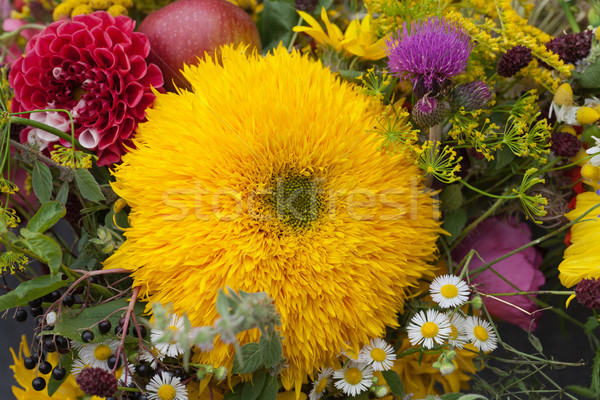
(204,199)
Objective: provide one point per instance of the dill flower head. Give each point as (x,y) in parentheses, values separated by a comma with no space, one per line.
(274,195)
(431,53)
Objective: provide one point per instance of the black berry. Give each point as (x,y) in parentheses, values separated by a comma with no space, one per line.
(38,384)
(119,329)
(142,331)
(104,326)
(59,373)
(49,344)
(111,398)
(143,397)
(112,360)
(30,362)
(68,301)
(61,342)
(21,315)
(87,336)
(45,367)
(122,321)
(35,302)
(55,295)
(36,311)
(143,370)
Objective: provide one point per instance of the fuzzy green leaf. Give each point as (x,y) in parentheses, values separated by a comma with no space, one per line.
(394,383)
(41,180)
(48,215)
(247,360)
(87,185)
(270,348)
(455,221)
(252,389)
(31,290)
(270,389)
(63,193)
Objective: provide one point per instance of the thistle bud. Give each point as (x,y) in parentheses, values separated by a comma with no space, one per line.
(429,111)
(472,96)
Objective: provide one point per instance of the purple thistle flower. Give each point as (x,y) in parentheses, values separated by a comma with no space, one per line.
(434,51)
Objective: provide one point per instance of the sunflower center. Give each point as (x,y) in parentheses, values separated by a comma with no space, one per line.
(429,329)
(297,200)
(353,376)
(378,355)
(453,332)
(166,392)
(102,352)
(480,333)
(321,385)
(449,291)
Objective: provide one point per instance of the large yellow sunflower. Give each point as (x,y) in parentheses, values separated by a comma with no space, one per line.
(267,177)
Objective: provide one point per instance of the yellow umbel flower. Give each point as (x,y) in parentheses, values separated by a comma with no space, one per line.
(359,39)
(68,390)
(582,257)
(285,193)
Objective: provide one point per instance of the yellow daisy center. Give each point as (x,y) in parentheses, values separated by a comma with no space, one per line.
(449,291)
(353,376)
(453,332)
(166,392)
(321,385)
(480,333)
(296,200)
(429,329)
(378,355)
(102,352)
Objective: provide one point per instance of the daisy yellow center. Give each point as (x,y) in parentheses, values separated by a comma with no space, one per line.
(378,355)
(296,200)
(480,333)
(166,392)
(321,385)
(449,291)
(453,332)
(102,352)
(429,329)
(353,376)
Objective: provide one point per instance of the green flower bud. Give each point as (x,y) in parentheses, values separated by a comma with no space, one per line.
(381,391)
(447,368)
(221,373)
(477,302)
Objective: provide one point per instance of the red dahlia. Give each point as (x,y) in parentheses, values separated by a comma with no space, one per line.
(95,67)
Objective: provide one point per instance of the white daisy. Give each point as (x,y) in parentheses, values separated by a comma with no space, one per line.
(77,367)
(354,378)
(320,384)
(458,335)
(428,328)
(481,334)
(96,355)
(151,357)
(595,151)
(172,348)
(379,353)
(449,291)
(166,387)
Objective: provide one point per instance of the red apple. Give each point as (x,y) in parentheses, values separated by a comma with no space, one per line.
(183,31)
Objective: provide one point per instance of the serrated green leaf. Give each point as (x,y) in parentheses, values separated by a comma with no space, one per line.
(87,185)
(454,222)
(31,290)
(71,323)
(394,383)
(451,197)
(247,360)
(65,362)
(252,389)
(270,348)
(278,19)
(44,247)
(48,215)
(41,180)
(270,389)
(63,193)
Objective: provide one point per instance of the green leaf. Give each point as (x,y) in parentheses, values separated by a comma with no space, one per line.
(223,303)
(71,323)
(270,389)
(270,348)
(451,396)
(3,227)
(41,180)
(350,75)
(44,247)
(590,78)
(582,391)
(87,185)
(252,389)
(455,221)
(503,157)
(394,383)
(278,19)
(31,290)
(472,397)
(236,392)
(65,361)
(451,197)
(48,215)
(247,360)
(535,342)
(63,193)
(596,373)
(362,396)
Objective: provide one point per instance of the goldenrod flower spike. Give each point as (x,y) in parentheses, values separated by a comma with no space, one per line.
(587,115)
(564,95)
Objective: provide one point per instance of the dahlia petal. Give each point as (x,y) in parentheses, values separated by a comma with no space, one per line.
(89,138)
(141,44)
(82,38)
(153,76)
(119,112)
(122,58)
(101,38)
(65,30)
(42,44)
(138,67)
(109,155)
(104,58)
(133,92)
(109,137)
(70,53)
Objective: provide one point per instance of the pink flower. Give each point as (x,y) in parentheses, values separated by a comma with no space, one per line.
(95,67)
(492,239)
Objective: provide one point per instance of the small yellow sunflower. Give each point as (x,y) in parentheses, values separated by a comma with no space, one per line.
(582,257)
(267,177)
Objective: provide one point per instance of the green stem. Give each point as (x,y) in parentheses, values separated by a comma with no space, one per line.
(49,129)
(569,15)
(294,36)
(504,197)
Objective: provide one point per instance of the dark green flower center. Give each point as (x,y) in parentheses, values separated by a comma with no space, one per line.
(297,200)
